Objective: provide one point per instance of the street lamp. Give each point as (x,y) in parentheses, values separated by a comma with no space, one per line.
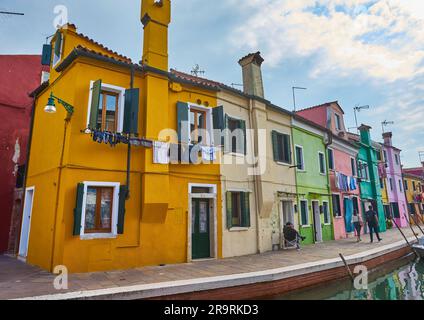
(385,123)
(358,109)
(294,96)
(51,106)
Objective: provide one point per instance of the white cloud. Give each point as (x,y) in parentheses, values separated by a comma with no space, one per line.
(381,39)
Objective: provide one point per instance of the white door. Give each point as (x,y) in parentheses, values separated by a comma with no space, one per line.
(287,215)
(317,221)
(26,222)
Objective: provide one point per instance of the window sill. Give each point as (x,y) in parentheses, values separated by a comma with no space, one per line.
(283,163)
(307,226)
(95,236)
(238,229)
(239,155)
(338,218)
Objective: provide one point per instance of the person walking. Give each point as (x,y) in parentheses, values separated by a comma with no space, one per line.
(372,221)
(357,223)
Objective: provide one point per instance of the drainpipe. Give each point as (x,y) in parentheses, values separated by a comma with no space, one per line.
(330,204)
(127,196)
(256,180)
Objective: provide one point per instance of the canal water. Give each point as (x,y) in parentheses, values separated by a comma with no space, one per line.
(399,280)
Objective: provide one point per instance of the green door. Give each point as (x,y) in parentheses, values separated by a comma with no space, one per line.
(200,237)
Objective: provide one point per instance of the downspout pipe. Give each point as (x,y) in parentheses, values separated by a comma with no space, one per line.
(327,144)
(127,196)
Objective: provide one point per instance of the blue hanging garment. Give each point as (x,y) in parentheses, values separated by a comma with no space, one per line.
(348,206)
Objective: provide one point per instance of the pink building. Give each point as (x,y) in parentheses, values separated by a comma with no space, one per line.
(395,193)
(342,159)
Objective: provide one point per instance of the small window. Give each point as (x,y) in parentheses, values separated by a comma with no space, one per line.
(338,122)
(391,184)
(304,215)
(331,159)
(337,211)
(197,125)
(326,212)
(300,161)
(412,209)
(281,147)
(321,158)
(397,159)
(353,166)
(363,171)
(237,135)
(414,186)
(98,210)
(385,156)
(406,185)
(381,183)
(58,46)
(238,209)
(400,186)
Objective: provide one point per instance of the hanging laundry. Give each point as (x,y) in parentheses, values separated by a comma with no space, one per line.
(209,153)
(161,152)
(337,180)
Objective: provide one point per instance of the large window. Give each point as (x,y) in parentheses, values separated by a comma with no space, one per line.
(326,212)
(304,214)
(300,161)
(98,210)
(381,183)
(397,159)
(281,147)
(337,210)
(400,186)
(391,184)
(238,209)
(107,119)
(321,159)
(395,209)
(406,185)
(331,159)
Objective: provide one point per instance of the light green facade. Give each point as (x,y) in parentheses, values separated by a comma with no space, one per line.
(312,185)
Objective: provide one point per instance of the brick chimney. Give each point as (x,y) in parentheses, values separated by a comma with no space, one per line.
(387,136)
(252,74)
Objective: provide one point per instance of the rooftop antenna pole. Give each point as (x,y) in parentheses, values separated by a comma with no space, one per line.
(385,123)
(12,13)
(358,108)
(196,71)
(294,96)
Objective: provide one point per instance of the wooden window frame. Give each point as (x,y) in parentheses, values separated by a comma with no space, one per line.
(303,168)
(196,111)
(308,223)
(328,212)
(323,173)
(236,206)
(104,94)
(339,206)
(97,229)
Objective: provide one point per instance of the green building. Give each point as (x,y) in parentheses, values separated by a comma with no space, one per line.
(368,174)
(310,143)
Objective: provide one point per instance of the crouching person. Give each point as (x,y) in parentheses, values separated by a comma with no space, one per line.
(291,236)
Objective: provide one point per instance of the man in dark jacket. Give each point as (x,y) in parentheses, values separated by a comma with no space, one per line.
(291,235)
(372,219)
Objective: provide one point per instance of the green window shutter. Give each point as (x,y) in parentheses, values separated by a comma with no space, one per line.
(275,145)
(78,209)
(132,98)
(226,142)
(243,127)
(95,101)
(58,44)
(229,210)
(182,116)
(245,209)
(121,210)
(218,125)
(46,55)
(287,148)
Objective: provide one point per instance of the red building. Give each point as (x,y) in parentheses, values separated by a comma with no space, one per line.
(19,75)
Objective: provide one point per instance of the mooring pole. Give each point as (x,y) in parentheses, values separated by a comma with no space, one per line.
(347,267)
(406,239)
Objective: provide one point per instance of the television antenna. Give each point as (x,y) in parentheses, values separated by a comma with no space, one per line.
(294,96)
(385,123)
(196,71)
(358,109)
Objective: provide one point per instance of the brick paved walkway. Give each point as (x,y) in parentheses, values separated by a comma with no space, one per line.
(19,280)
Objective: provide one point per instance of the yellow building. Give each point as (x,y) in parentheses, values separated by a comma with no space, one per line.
(123,202)
(414,189)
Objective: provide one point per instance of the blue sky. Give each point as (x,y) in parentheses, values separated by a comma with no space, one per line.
(353,51)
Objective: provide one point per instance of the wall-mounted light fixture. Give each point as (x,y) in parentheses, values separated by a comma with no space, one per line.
(51,106)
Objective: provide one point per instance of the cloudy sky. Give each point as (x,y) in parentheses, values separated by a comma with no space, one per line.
(359,52)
